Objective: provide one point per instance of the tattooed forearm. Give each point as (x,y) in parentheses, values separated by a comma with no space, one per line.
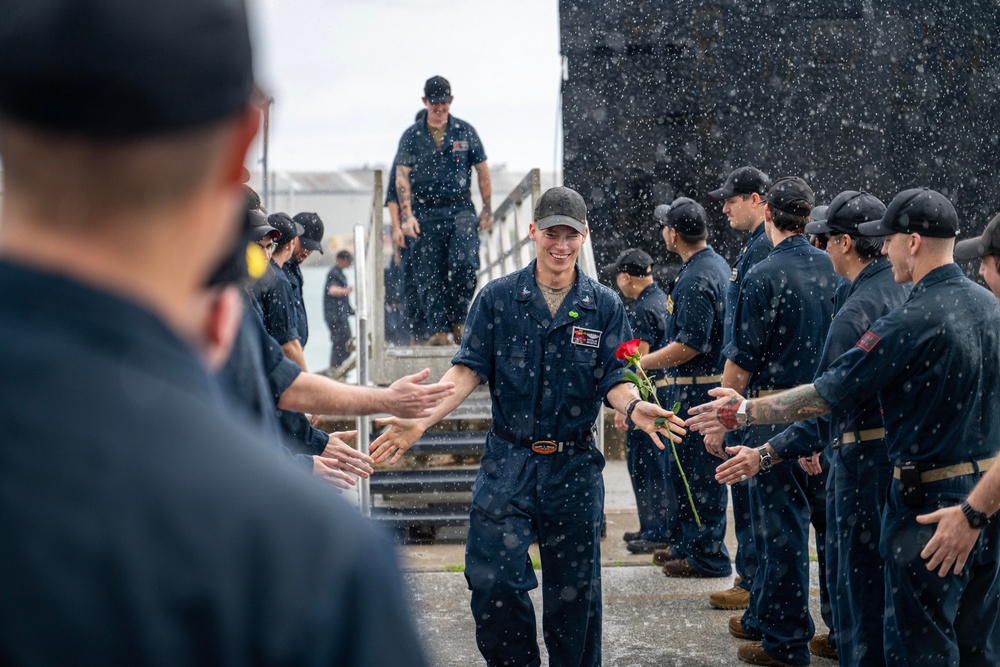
(789,406)
(403,192)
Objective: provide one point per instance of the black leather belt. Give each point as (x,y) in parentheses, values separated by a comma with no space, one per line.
(438,202)
(544,446)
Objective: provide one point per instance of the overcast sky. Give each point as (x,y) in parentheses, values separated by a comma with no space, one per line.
(347,76)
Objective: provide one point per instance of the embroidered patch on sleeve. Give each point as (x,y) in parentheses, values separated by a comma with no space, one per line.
(868,341)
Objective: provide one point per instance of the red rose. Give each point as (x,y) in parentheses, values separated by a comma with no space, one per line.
(628,350)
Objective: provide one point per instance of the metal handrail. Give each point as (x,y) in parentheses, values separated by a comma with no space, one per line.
(363,312)
(507,244)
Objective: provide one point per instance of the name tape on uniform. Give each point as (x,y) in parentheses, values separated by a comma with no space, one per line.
(586,337)
(460,145)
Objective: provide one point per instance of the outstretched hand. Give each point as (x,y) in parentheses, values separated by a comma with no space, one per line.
(348,458)
(952,542)
(713,444)
(645,415)
(744,464)
(396,439)
(716,417)
(410,399)
(329,471)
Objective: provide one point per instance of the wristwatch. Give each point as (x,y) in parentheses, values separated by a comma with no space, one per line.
(742,418)
(766,460)
(976,519)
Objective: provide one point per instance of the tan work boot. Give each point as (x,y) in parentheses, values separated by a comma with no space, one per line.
(457,330)
(736,628)
(663,556)
(734,598)
(755,654)
(821,647)
(439,338)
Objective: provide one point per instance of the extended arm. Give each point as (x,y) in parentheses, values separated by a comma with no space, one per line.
(734,378)
(486,192)
(402,433)
(645,414)
(796,404)
(405,397)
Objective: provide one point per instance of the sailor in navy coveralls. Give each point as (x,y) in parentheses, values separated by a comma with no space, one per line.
(544,338)
(433,166)
(934,364)
(647,465)
(780,323)
(859,465)
(692,355)
(743,204)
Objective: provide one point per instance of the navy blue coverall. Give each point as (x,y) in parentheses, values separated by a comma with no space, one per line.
(547,378)
(409,299)
(273,301)
(337,311)
(753,251)
(860,473)
(172,533)
(446,255)
(781,321)
(696,313)
(934,364)
(276,299)
(647,463)
(294,274)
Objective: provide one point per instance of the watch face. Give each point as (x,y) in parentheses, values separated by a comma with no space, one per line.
(765,460)
(976,519)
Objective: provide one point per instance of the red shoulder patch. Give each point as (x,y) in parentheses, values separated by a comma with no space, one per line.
(868,341)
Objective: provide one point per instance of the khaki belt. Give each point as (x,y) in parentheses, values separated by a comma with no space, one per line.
(851,437)
(761,393)
(703,379)
(949,472)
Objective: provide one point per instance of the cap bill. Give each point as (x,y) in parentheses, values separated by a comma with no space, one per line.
(556,220)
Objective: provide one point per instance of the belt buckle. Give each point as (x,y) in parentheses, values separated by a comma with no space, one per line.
(544,447)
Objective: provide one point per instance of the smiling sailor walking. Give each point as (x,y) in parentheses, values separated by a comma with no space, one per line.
(544,338)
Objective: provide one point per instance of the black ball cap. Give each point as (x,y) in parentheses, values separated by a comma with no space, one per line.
(437,89)
(847,210)
(743,181)
(312,231)
(988,243)
(123,69)
(792,195)
(287,227)
(917,211)
(259,227)
(684,215)
(634,262)
(561,206)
